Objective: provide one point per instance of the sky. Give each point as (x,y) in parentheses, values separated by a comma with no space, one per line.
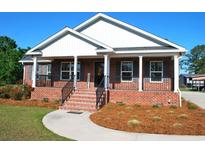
(29,29)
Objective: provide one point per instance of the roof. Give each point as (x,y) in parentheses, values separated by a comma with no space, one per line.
(123,24)
(103,47)
(35,50)
(192,75)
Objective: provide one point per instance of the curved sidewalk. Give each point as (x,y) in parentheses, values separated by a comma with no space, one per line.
(80,127)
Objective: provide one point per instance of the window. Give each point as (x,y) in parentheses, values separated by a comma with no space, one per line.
(156,71)
(126,70)
(67,70)
(44,70)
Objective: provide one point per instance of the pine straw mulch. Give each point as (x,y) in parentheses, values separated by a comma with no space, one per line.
(164,120)
(27,102)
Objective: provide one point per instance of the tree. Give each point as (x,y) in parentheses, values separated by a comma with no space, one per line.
(194,62)
(10,68)
(6,44)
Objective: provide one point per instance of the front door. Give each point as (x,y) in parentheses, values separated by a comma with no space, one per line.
(99,73)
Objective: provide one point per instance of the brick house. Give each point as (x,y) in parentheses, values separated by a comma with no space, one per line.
(101,60)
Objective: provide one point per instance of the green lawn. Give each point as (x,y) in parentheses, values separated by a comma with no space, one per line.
(25,123)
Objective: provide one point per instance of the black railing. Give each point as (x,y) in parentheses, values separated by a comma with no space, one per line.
(43,80)
(100,94)
(67,90)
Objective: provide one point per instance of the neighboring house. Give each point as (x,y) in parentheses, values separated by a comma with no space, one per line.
(104,59)
(192,81)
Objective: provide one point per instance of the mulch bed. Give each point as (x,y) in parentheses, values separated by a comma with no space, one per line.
(29,103)
(146,119)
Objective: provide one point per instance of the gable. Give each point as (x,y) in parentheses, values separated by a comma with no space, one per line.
(69,45)
(117,36)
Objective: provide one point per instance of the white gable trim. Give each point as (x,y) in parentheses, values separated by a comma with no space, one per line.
(100,15)
(60,33)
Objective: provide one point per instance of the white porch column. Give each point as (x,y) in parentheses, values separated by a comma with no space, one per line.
(75,71)
(140,73)
(34,72)
(176,73)
(106,71)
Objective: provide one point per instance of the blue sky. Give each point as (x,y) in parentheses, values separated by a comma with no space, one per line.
(28,29)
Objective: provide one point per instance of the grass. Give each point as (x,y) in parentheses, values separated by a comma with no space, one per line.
(19,123)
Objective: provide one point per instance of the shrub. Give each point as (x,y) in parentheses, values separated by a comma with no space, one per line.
(182,116)
(157,106)
(177,125)
(137,105)
(120,103)
(16,93)
(192,106)
(133,123)
(128,108)
(170,112)
(156,118)
(173,107)
(45,100)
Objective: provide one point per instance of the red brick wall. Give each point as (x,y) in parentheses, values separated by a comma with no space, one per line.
(145,97)
(46,92)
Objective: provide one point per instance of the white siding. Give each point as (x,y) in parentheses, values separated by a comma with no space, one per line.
(69,45)
(115,36)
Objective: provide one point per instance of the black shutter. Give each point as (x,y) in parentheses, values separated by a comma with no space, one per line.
(146,69)
(117,77)
(165,69)
(135,69)
(81,71)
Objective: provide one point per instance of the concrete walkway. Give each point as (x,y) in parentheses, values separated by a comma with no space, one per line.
(80,127)
(195,97)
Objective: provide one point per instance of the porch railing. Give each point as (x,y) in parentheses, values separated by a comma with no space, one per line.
(100,94)
(67,90)
(43,80)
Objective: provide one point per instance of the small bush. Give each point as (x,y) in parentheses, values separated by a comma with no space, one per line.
(173,107)
(137,105)
(120,103)
(170,112)
(128,108)
(177,125)
(182,116)
(156,118)
(45,100)
(157,106)
(192,106)
(121,113)
(133,123)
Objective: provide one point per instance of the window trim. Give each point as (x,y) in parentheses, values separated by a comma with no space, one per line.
(126,71)
(162,71)
(70,70)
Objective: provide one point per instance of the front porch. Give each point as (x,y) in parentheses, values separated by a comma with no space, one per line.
(147,74)
(142,79)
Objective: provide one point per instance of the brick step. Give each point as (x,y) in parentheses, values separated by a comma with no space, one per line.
(79,102)
(84,95)
(83,99)
(78,108)
(85,91)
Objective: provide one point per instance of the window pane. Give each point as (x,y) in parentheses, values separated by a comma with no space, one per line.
(126,66)
(126,76)
(156,76)
(65,75)
(49,68)
(156,66)
(65,66)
